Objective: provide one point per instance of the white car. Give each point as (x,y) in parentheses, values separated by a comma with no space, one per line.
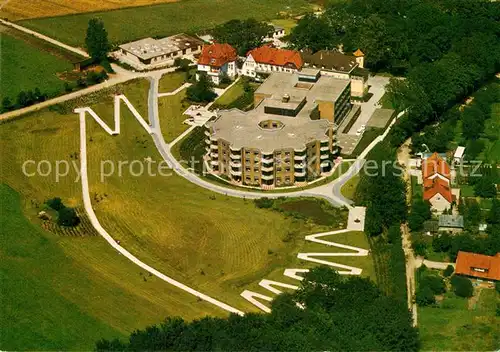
(360,130)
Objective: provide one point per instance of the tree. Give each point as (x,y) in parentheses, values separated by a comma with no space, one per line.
(7,104)
(434,282)
(424,296)
(497,286)
(68,217)
(313,33)
(202,90)
(449,271)
(97,40)
(462,286)
(420,212)
(485,188)
(243,35)
(55,203)
(494,213)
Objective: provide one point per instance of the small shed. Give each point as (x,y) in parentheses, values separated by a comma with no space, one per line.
(459,154)
(451,223)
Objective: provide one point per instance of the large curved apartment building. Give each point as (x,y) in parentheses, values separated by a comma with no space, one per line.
(287,139)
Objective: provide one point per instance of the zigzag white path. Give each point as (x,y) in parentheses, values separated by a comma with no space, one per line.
(293,273)
(90,211)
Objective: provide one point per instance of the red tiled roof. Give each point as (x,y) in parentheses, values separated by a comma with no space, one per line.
(435,165)
(437,186)
(278,57)
(469,263)
(217,54)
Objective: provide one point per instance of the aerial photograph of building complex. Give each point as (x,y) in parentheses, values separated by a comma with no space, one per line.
(269,175)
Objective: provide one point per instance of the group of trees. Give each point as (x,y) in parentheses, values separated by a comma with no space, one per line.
(338,313)
(66,216)
(24,98)
(471,240)
(96,41)
(419,213)
(243,35)
(202,91)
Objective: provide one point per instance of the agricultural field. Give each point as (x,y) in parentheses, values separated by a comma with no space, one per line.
(459,324)
(189,16)
(28,63)
(21,9)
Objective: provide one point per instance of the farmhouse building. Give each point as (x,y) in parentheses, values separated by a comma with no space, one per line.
(436,177)
(266,59)
(288,139)
(339,65)
(216,60)
(478,266)
(149,53)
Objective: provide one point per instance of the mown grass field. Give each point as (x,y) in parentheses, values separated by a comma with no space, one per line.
(22,9)
(26,66)
(65,293)
(170,110)
(171,81)
(190,16)
(349,188)
(457,325)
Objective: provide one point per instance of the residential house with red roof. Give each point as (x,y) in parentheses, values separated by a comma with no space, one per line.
(266,59)
(478,266)
(216,60)
(436,177)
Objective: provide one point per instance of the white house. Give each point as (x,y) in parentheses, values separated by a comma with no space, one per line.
(266,59)
(458,157)
(216,60)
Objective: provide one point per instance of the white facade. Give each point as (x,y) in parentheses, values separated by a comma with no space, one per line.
(215,73)
(439,203)
(251,68)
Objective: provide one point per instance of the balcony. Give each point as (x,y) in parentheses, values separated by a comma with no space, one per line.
(267,168)
(325,148)
(267,161)
(299,173)
(300,157)
(207,141)
(267,177)
(324,156)
(235,172)
(207,133)
(235,156)
(325,164)
(214,146)
(214,162)
(235,164)
(214,155)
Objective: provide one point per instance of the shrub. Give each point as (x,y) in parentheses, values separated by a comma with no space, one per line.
(68,217)
(462,286)
(419,247)
(425,296)
(55,203)
(497,286)
(264,203)
(448,271)
(434,282)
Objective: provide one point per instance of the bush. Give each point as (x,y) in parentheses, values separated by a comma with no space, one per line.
(448,271)
(434,282)
(55,203)
(202,91)
(497,286)
(425,296)
(264,203)
(462,286)
(68,217)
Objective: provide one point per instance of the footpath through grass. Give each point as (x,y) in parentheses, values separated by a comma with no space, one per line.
(188,16)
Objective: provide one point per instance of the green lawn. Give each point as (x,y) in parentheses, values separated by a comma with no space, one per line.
(171,81)
(385,101)
(189,16)
(170,109)
(416,189)
(26,67)
(456,325)
(491,152)
(349,188)
(230,95)
(65,293)
(287,23)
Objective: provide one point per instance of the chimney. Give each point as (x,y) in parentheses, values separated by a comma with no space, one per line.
(286,98)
